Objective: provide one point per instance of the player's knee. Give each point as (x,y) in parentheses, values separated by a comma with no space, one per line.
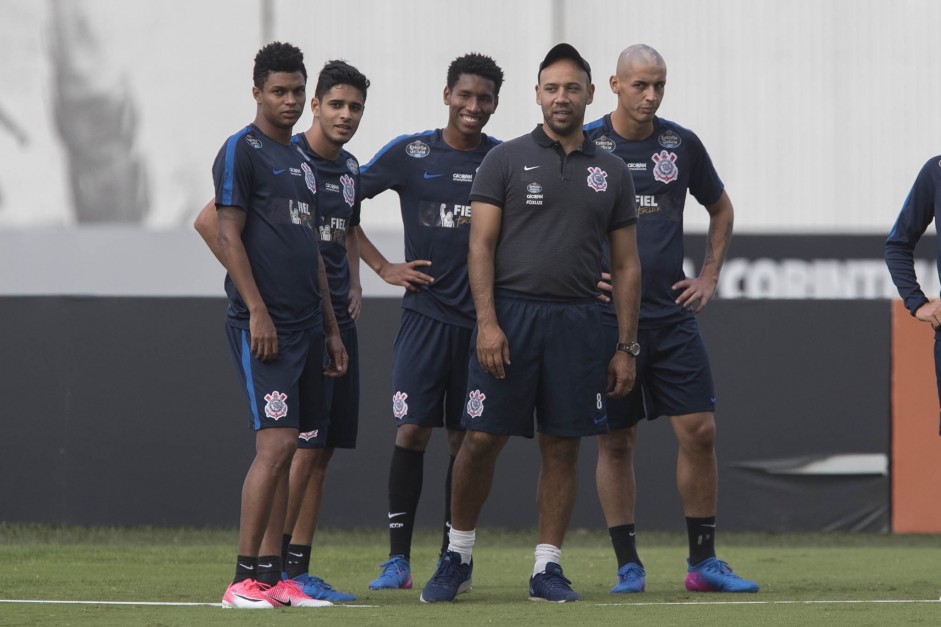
(412,437)
(697,433)
(618,445)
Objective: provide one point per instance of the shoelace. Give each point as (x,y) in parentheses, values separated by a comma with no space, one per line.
(445,571)
(555,579)
(320,582)
(390,567)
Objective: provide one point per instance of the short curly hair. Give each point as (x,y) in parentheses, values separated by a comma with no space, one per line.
(477,64)
(277,57)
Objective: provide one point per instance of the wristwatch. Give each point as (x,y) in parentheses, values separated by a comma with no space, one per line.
(631,348)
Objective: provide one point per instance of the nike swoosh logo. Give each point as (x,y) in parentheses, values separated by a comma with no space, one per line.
(246,567)
(527,168)
(429,175)
(268,565)
(295,554)
(276,172)
(280,602)
(391,515)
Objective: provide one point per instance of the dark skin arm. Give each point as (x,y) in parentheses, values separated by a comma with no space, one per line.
(493,350)
(625,269)
(404,275)
(231,223)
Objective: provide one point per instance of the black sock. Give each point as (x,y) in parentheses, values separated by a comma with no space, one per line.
(405,479)
(269,569)
(446,540)
(285,541)
(298,560)
(702,538)
(245,568)
(625,545)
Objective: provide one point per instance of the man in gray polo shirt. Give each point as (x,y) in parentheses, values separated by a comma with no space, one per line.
(542,206)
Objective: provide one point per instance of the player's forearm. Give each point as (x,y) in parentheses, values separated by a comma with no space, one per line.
(235,259)
(480,275)
(207,225)
(330,326)
(718,238)
(352,257)
(369,253)
(626,284)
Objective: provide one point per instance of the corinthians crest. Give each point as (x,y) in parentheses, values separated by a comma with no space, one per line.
(475,404)
(349,191)
(597,179)
(275,406)
(399,406)
(665,169)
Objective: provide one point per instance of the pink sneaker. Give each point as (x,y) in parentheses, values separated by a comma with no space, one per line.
(287,593)
(246,594)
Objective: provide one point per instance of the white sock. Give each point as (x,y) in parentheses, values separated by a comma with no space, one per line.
(546,553)
(462,542)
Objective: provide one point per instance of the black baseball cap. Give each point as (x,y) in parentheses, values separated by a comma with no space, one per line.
(564,51)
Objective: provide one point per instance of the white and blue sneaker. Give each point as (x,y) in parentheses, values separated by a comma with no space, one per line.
(450,579)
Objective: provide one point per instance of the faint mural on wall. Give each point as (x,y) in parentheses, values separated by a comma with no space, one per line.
(96,119)
(9,125)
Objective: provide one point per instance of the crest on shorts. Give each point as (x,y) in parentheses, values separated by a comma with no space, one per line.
(475,404)
(597,179)
(418,149)
(275,405)
(307,436)
(309,178)
(399,406)
(665,169)
(352,165)
(349,190)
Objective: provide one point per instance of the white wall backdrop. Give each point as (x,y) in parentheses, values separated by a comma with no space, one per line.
(817,113)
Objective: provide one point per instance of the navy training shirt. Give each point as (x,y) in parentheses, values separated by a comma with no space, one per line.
(276,186)
(922,205)
(664,166)
(338,200)
(433,181)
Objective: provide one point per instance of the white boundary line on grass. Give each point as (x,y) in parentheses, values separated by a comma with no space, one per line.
(174,604)
(157,603)
(857,601)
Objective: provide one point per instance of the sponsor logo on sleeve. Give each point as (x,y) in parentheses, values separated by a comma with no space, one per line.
(418,149)
(669,139)
(253,141)
(605,143)
(352,165)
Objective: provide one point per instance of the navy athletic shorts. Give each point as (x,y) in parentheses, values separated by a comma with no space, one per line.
(673,375)
(338,422)
(429,371)
(287,391)
(557,370)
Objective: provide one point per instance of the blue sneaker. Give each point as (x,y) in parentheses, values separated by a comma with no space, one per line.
(317,588)
(714,575)
(631,578)
(552,586)
(451,578)
(396,573)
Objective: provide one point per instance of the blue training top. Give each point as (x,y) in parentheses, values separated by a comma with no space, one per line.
(276,187)
(922,205)
(433,181)
(664,166)
(339,200)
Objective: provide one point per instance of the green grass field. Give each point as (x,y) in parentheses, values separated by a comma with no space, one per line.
(104,576)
